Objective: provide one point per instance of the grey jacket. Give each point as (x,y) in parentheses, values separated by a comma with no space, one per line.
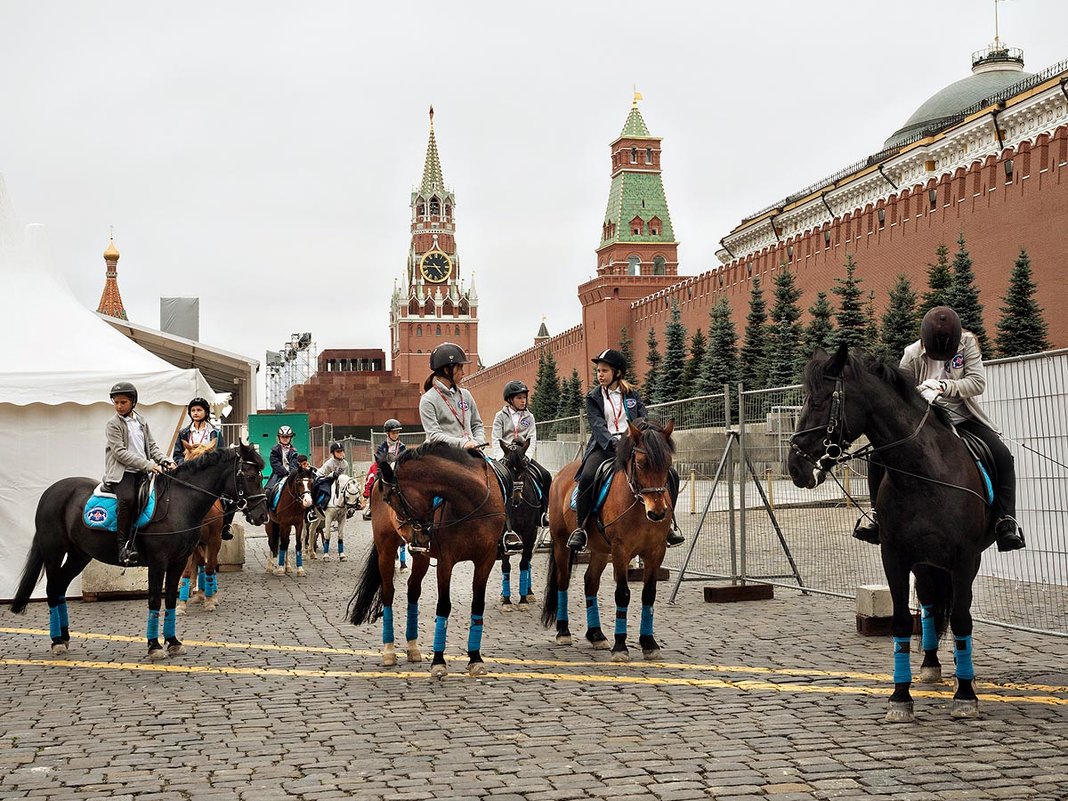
(118,458)
(439,422)
(504,429)
(967,376)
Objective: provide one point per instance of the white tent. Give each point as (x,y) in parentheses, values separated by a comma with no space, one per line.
(60,362)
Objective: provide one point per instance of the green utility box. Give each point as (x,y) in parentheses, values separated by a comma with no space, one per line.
(263,433)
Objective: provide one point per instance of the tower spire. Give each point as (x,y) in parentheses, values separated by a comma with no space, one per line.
(110,299)
(432,178)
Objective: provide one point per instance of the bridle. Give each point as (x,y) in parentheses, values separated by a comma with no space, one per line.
(636,489)
(307,481)
(518,480)
(240,498)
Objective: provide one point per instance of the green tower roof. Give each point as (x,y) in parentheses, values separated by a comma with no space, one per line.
(635,125)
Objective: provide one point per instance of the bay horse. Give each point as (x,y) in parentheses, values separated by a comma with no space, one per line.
(62,545)
(524,516)
(933,517)
(294,500)
(346,495)
(451,496)
(201,570)
(636,513)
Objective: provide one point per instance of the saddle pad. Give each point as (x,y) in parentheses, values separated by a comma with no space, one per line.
(984,460)
(276,494)
(504,479)
(536,481)
(101,510)
(601,485)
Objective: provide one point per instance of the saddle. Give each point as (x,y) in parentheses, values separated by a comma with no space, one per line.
(984,461)
(602,483)
(504,478)
(101,508)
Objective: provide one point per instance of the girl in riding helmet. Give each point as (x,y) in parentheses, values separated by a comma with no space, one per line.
(200,431)
(388,451)
(610,407)
(449,413)
(283,459)
(515,422)
(327,475)
(947,367)
(130,453)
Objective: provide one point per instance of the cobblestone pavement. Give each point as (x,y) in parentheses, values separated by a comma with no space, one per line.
(278,697)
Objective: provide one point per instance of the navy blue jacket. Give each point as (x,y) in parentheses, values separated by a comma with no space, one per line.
(599,435)
(279,469)
(179,452)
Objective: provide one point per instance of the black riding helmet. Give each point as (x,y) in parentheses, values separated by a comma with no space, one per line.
(940,333)
(613,358)
(447,354)
(336,446)
(513,388)
(203,404)
(392,424)
(124,388)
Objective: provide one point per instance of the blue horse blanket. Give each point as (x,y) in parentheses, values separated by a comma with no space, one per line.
(101,510)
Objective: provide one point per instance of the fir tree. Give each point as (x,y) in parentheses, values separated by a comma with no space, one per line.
(939,280)
(571,396)
(900,326)
(785,359)
(850,318)
(674,364)
(721,356)
(546,395)
(626,347)
(691,378)
(820,330)
(754,357)
(963,296)
(652,375)
(1021,328)
(871,325)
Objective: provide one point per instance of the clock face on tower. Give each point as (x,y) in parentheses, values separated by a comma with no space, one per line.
(435,267)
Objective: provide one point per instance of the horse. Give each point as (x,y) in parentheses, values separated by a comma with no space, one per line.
(452,494)
(294,500)
(524,516)
(62,545)
(345,495)
(636,514)
(203,563)
(934,520)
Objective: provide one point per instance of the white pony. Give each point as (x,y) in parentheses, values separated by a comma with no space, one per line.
(345,496)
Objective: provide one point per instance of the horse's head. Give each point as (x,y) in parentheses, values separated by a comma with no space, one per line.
(827,426)
(515,456)
(645,456)
(350,490)
(250,496)
(301,483)
(193,451)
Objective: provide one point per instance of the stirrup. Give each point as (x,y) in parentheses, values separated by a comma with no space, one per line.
(867,529)
(674,538)
(227,533)
(578,540)
(1011,539)
(511,543)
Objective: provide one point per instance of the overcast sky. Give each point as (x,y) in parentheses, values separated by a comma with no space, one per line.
(260,155)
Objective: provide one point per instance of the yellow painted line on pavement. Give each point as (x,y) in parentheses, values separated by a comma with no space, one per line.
(576,678)
(557,663)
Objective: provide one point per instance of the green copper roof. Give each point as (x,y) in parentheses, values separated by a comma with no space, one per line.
(543,331)
(637,194)
(432,168)
(635,125)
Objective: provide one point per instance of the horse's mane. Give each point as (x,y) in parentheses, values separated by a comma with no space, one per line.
(201,463)
(443,450)
(658,448)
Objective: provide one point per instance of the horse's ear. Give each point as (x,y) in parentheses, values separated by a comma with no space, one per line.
(819,353)
(186,446)
(210,446)
(385,472)
(634,431)
(504,446)
(669,428)
(838,361)
(525,443)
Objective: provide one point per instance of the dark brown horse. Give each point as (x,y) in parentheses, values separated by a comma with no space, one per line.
(633,522)
(452,496)
(294,501)
(203,563)
(524,516)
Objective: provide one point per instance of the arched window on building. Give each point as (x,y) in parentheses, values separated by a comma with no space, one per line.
(457,330)
(448,211)
(634,265)
(413,306)
(437,331)
(419,331)
(435,207)
(634,155)
(420,210)
(654,226)
(659,265)
(649,156)
(447,307)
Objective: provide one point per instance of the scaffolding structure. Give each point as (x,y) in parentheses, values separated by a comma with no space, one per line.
(293,364)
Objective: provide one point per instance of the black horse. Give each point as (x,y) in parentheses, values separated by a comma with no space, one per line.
(933,517)
(63,545)
(524,515)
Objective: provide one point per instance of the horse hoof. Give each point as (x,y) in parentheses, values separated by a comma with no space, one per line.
(506,604)
(620,656)
(210,606)
(327,557)
(175,650)
(601,644)
(59,648)
(179,608)
(413,653)
(931,675)
(528,599)
(653,654)
(438,671)
(156,654)
(964,708)
(476,669)
(341,557)
(288,570)
(300,571)
(279,571)
(900,712)
(563,639)
(389,658)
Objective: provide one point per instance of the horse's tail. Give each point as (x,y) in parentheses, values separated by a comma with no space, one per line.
(365,606)
(30,574)
(943,600)
(548,606)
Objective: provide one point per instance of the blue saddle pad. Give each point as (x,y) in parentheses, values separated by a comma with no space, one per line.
(101,510)
(607,485)
(987,483)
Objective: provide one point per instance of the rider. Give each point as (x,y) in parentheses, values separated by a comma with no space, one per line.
(388,451)
(515,422)
(130,452)
(449,413)
(610,407)
(326,476)
(199,432)
(283,459)
(947,367)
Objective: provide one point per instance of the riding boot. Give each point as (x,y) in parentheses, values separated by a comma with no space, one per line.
(1009,534)
(228,519)
(578,539)
(866,529)
(128,555)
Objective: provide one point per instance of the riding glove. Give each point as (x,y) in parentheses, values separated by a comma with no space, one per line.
(931,389)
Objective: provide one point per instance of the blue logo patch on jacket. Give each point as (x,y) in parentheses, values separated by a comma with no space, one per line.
(631,402)
(957,362)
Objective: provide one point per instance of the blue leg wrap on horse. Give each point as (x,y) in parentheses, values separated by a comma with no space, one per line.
(55,628)
(152,629)
(202,578)
(340,546)
(63,622)
(902,668)
(441,626)
(300,558)
(411,631)
(621,620)
(170,623)
(647,621)
(387,624)
(474,636)
(524,581)
(183,589)
(212,586)
(506,584)
(963,656)
(281,558)
(593,613)
(561,604)
(402,553)
(930,636)
(326,546)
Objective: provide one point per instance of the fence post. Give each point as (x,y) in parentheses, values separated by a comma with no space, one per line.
(731,532)
(742,482)
(693,491)
(848,490)
(771,487)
